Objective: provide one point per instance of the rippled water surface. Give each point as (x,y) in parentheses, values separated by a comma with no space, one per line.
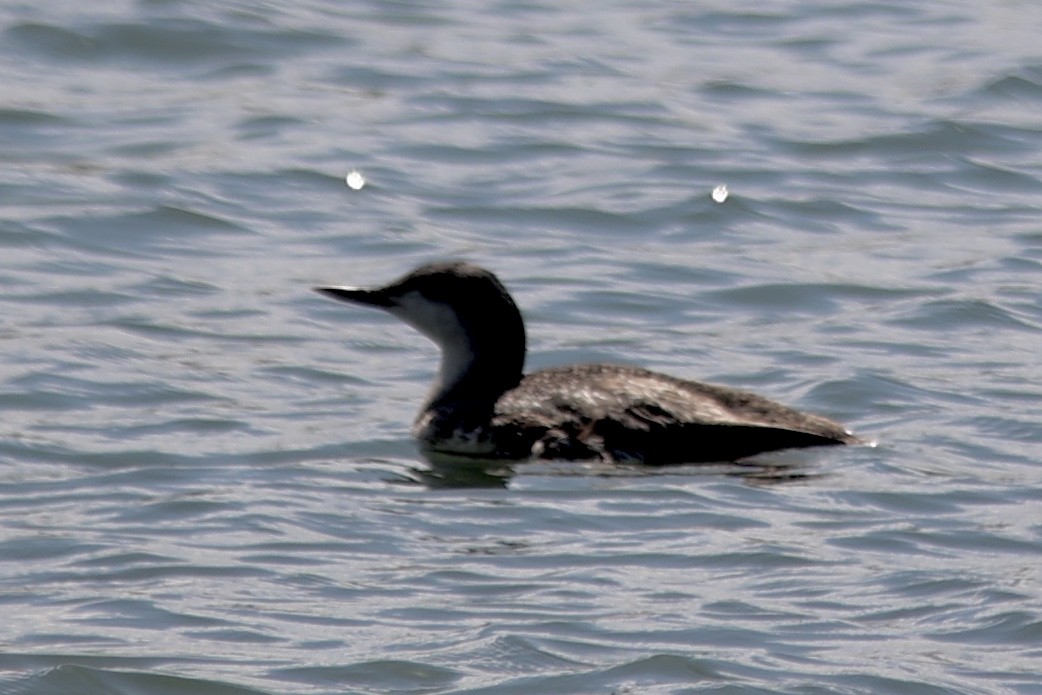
(206,479)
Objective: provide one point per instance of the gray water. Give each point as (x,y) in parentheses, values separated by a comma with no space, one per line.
(206,479)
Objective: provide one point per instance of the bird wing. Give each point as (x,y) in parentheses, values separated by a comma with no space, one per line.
(627,413)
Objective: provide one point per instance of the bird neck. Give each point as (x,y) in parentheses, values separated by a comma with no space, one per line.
(476,374)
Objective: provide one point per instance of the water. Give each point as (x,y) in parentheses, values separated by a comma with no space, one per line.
(206,481)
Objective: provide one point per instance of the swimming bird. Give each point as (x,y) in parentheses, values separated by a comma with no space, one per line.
(483,405)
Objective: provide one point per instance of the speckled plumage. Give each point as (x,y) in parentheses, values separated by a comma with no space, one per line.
(483,406)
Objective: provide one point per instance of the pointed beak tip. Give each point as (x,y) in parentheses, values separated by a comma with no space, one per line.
(355,295)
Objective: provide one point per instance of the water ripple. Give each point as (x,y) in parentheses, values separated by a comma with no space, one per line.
(206,477)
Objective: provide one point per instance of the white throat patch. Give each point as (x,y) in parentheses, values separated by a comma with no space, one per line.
(441,324)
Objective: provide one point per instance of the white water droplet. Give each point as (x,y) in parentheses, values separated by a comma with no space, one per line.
(720,193)
(355,181)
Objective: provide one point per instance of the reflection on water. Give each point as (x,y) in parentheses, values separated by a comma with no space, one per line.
(447,471)
(450,471)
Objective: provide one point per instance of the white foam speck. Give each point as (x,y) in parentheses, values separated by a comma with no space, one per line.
(355,181)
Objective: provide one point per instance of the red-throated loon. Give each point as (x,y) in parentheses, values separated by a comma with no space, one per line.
(482,405)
